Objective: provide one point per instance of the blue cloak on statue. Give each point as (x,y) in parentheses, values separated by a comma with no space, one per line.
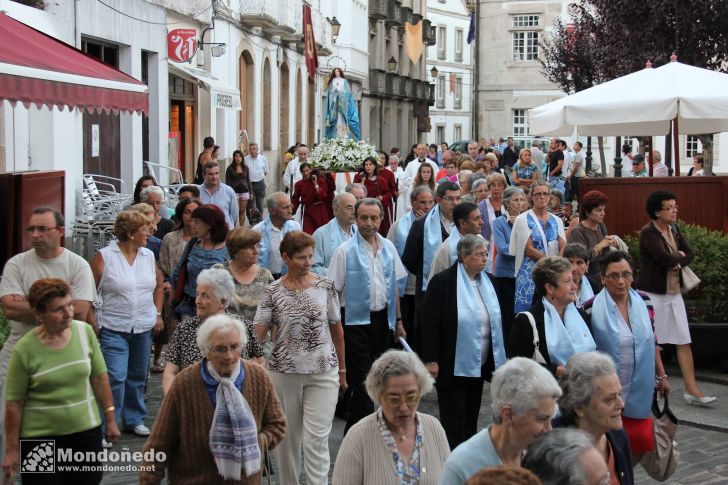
(341,109)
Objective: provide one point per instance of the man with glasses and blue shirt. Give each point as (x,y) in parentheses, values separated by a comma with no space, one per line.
(47,259)
(424,239)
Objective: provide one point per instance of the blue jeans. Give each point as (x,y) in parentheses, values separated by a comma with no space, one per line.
(127,361)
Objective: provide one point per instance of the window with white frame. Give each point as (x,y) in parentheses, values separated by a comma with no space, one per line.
(692,146)
(458,93)
(520,122)
(520,21)
(440,137)
(441,42)
(440,96)
(525,33)
(459,45)
(525,46)
(458,133)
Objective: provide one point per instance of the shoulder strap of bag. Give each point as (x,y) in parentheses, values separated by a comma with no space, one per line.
(533,328)
(83,337)
(188,249)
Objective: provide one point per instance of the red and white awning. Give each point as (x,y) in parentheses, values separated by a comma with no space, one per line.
(41,70)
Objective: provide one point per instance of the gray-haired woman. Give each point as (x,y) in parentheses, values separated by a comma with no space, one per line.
(219,416)
(395,444)
(566,457)
(215,289)
(592,401)
(154,196)
(560,326)
(462,336)
(523,400)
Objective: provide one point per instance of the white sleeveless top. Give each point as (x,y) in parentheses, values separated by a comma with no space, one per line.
(127,291)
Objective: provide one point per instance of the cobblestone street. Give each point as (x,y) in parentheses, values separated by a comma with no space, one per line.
(703,452)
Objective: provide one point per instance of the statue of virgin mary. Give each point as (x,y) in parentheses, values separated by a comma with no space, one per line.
(342,118)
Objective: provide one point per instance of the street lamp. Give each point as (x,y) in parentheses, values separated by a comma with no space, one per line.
(335,27)
(392,64)
(434,72)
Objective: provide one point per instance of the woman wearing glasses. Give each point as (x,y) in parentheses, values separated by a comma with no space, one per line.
(621,322)
(536,234)
(395,444)
(462,337)
(663,252)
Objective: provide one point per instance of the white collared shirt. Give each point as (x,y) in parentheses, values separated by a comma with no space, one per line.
(258,167)
(377,283)
(275,262)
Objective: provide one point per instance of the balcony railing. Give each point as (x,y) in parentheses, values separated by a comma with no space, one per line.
(407,15)
(430,94)
(377,82)
(394,14)
(429,32)
(378,9)
(276,17)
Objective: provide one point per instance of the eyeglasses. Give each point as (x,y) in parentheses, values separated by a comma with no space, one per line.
(480,254)
(614,277)
(451,198)
(541,194)
(669,209)
(40,229)
(396,400)
(222,349)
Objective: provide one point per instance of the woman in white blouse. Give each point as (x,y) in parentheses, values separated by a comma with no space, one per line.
(130,289)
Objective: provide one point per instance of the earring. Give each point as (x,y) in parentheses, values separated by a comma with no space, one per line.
(132,238)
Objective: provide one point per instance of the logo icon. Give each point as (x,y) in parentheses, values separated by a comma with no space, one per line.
(181,44)
(39,456)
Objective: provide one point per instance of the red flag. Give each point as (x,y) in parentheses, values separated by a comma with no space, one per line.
(309,42)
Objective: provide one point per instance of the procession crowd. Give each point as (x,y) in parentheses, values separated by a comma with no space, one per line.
(270,313)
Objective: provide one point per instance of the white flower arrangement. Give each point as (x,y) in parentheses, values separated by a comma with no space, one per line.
(342,155)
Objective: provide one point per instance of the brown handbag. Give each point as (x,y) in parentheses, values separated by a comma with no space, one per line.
(661,462)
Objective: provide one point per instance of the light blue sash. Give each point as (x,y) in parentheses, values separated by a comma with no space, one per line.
(468,351)
(432,241)
(567,339)
(357,286)
(585,290)
(403,228)
(264,246)
(453,239)
(337,235)
(605,324)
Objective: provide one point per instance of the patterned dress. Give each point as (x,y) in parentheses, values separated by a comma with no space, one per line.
(524,282)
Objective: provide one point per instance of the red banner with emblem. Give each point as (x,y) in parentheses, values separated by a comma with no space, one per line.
(309,43)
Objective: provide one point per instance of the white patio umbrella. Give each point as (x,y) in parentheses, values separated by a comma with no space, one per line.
(643,103)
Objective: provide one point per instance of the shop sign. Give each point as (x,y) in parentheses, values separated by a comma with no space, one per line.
(224,100)
(181,44)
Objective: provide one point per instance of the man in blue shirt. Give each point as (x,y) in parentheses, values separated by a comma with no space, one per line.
(214,191)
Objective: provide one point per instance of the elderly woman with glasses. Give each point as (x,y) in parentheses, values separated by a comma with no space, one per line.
(553,329)
(523,401)
(592,401)
(215,289)
(395,444)
(462,336)
(621,320)
(219,417)
(536,234)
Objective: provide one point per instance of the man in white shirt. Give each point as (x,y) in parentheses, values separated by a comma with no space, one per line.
(468,220)
(410,171)
(257,169)
(537,156)
(47,259)
(272,229)
(367,285)
(335,233)
(575,173)
(214,191)
(659,169)
(293,169)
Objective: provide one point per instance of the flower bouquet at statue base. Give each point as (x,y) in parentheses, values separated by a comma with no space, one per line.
(341,155)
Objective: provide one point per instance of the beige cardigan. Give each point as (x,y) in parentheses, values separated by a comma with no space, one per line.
(364,458)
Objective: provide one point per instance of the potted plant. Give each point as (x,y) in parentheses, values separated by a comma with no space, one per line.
(707,305)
